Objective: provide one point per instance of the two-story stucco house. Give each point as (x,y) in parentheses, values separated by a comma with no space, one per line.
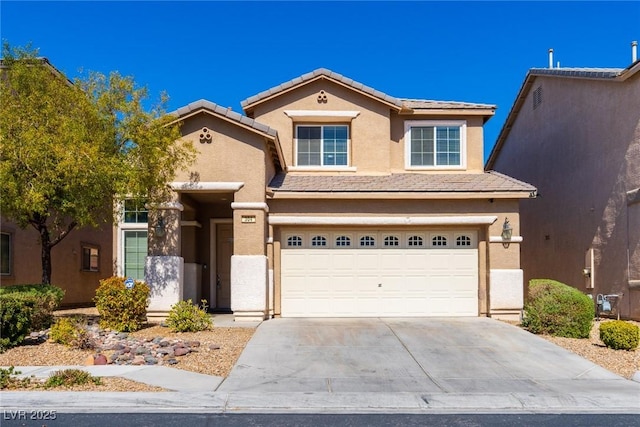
(575,134)
(328,198)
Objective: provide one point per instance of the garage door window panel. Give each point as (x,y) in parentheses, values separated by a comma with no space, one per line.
(343,241)
(391,242)
(463,241)
(319,242)
(367,242)
(415,241)
(294,241)
(439,241)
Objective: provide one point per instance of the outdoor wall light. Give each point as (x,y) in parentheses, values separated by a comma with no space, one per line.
(507,233)
(159,229)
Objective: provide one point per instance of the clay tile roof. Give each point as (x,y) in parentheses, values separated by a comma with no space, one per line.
(225,112)
(321,72)
(595,73)
(425,104)
(400,182)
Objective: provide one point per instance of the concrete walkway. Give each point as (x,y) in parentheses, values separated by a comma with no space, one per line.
(369,365)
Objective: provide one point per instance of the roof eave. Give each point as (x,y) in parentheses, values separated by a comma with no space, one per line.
(248,107)
(511,117)
(415,195)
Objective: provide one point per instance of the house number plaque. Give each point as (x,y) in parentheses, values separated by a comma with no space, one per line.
(248,219)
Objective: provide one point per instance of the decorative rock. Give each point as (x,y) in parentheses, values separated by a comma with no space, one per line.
(138,360)
(181,351)
(100,359)
(149,360)
(128,350)
(141,350)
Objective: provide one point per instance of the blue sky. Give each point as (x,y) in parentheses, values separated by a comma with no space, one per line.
(227,51)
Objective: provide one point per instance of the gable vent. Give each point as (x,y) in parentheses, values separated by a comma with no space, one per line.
(537,97)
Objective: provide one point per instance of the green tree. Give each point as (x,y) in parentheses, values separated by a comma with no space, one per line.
(69,149)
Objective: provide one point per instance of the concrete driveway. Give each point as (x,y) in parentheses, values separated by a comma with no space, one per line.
(431,356)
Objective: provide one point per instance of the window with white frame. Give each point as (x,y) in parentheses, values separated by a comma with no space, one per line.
(5,254)
(435,144)
(134,212)
(90,258)
(322,145)
(135,253)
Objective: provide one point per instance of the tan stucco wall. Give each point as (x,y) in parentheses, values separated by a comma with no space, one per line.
(66,258)
(377,133)
(235,155)
(369,131)
(581,149)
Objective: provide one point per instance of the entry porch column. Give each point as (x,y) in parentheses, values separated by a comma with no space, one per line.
(249,269)
(164,267)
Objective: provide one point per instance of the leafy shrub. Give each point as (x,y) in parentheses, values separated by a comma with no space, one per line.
(620,335)
(557,309)
(15,319)
(63,331)
(70,377)
(7,378)
(184,316)
(44,299)
(122,309)
(71,332)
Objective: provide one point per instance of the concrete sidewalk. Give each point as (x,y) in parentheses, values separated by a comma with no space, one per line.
(367,365)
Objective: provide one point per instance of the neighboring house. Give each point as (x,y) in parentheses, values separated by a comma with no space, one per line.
(575,134)
(331,199)
(79,261)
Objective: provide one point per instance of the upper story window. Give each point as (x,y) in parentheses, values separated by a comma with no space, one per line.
(5,254)
(322,145)
(135,212)
(435,144)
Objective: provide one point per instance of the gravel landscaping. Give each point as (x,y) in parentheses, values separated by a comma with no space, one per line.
(214,352)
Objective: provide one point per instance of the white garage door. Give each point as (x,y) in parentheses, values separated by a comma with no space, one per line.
(378,274)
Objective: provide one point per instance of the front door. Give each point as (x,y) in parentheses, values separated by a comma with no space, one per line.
(224,250)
